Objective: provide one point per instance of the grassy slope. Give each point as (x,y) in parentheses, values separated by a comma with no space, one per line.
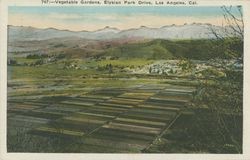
(201,49)
(148,50)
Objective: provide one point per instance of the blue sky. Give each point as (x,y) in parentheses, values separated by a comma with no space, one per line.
(96,17)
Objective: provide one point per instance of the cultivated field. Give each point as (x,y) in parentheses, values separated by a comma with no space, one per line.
(111,115)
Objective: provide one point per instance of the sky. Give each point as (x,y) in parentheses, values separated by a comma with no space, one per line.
(92,18)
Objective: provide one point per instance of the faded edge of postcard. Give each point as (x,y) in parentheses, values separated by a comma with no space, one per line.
(124,79)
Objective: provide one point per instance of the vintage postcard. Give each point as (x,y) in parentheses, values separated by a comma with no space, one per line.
(159,79)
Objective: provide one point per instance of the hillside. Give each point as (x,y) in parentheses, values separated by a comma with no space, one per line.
(200,49)
(149,50)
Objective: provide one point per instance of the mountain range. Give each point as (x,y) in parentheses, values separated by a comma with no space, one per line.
(186,31)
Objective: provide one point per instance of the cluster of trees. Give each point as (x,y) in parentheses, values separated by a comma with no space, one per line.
(224,97)
(41,56)
(107,67)
(232,39)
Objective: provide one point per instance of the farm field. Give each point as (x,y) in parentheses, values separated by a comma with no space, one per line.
(128,115)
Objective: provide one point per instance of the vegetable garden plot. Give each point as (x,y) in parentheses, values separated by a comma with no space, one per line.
(180,90)
(28,102)
(87,99)
(134,128)
(127,99)
(102,111)
(117,105)
(154,86)
(107,109)
(99,148)
(76,107)
(139,122)
(53,110)
(136,95)
(166,92)
(184,87)
(52,132)
(15,124)
(78,103)
(67,127)
(91,96)
(122,135)
(174,96)
(73,125)
(121,144)
(112,144)
(82,101)
(65,108)
(9,114)
(159,113)
(37,104)
(123,101)
(108,92)
(53,99)
(89,116)
(168,101)
(146,90)
(146,116)
(60,131)
(165,103)
(153,111)
(87,121)
(21,107)
(30,119)
(158,107)
(96,114)
(42,114)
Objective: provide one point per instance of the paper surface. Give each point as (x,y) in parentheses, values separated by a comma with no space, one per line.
(80,31)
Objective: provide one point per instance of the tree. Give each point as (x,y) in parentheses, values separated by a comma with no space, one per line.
(224,97)
(12,62)
(232,36)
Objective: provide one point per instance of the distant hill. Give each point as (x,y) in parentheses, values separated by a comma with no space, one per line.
(188,31)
